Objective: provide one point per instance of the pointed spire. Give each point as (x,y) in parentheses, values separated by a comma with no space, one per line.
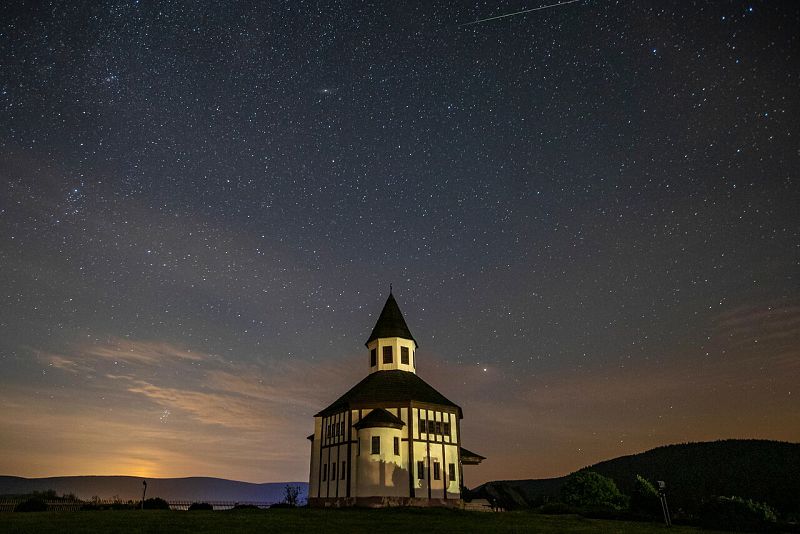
(391,322)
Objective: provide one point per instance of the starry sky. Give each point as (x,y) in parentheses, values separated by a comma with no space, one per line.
(588,214)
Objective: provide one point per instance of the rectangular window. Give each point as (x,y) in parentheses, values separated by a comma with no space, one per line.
(376,444)
(404,355)
(333,470)
(438,427)
(397,446)
(324,472)
(422,426)
(373,357)
(420,470)
(387,355)
(344,470)
(341,428)
(436,474)
(447,429)
(431,427)
(451,472)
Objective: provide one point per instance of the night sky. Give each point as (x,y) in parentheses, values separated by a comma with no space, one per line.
(589,215)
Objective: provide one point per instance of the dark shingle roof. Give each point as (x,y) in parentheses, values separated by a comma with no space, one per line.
(380,418)
(391,323)
(470,458)
(388,388)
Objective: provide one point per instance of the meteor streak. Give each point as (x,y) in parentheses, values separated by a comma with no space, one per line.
(517,13)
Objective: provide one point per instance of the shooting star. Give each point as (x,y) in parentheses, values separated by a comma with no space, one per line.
(518,13)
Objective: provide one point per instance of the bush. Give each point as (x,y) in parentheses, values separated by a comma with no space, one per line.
(735,513)
(200,506)
(246,507)
(644,498)
(156,503)
(34,504)
(587,489)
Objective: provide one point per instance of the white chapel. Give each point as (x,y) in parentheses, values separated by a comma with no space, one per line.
(392,439)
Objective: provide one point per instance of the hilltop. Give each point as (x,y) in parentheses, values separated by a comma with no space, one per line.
(762,470)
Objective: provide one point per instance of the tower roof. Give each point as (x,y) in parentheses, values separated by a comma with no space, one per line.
(389,389)
(380,418)
(391,323)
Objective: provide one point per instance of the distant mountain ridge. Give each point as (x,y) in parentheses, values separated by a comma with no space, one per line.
(127,488)
(762,470)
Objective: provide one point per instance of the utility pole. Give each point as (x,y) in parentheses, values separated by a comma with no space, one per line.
(144,490)
(662,496)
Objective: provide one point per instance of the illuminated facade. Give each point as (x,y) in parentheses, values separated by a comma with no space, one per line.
(392,439)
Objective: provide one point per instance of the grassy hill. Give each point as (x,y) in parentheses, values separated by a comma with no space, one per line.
(765,471)
(350,521)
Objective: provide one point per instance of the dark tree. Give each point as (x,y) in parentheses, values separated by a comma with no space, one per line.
(290,495)
(587,489)
(156,503)
(735,513)
(34,504)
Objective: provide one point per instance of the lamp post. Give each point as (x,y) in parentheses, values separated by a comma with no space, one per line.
(144,490)
(662,496)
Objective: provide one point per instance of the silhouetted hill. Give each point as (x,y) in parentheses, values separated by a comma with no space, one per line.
(765,471)
(192,488)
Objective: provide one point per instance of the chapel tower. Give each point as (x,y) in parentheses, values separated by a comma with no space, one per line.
(391,345)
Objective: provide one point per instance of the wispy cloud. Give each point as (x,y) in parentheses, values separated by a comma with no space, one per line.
(60,362)
(143,352)
(156,408)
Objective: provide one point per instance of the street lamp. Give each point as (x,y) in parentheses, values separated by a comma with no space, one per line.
(144,490)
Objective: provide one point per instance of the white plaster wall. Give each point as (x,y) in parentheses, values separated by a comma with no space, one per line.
(453,486)
(421,454)
(384,474)
(395,343)
(441,448)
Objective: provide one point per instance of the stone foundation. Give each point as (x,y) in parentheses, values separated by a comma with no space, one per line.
(382,502)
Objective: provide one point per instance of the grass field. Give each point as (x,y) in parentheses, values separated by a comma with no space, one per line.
(304,520)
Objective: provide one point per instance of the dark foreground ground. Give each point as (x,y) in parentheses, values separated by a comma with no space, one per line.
(305,520)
